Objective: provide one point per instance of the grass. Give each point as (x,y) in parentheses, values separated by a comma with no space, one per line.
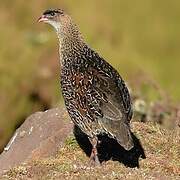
(161,147)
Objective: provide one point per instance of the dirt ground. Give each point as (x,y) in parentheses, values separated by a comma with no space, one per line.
(156,155)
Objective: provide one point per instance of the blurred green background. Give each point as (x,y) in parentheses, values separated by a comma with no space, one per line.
(140,38)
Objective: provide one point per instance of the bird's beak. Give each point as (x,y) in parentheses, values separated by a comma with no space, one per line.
(43,18)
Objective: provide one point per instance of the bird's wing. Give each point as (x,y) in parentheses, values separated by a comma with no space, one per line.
(110,86)
(109,101)
(102,96)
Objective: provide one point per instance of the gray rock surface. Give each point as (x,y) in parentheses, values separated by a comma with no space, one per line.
(41,135)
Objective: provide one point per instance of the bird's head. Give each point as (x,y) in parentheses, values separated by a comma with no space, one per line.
(63,24)
(55,17)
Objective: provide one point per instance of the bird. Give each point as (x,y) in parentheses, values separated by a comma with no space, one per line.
(95,95)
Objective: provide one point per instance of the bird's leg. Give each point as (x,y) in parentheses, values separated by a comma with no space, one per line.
(94,153)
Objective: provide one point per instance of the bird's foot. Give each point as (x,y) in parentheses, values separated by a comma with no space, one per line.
(94,159)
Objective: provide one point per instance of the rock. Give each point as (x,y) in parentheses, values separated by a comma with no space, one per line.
(41,135)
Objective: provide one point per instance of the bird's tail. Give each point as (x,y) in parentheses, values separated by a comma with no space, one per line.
(120,131)
(123,136)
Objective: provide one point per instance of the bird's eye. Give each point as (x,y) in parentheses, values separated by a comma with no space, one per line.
(52,13)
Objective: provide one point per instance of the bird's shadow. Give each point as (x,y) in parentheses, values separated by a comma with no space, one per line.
(110,149)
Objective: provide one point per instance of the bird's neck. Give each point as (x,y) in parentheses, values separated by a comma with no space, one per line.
(70,44)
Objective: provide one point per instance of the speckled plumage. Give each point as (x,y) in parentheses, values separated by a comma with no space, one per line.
(95,95)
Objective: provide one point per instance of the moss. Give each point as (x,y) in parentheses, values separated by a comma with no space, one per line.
(71,142)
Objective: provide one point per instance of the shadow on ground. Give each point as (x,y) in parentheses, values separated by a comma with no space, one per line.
(110,149)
